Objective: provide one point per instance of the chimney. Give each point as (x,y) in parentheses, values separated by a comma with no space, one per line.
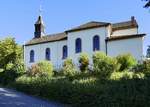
(133,21)
(132,18)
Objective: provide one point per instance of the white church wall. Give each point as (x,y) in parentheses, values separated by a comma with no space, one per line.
(125,32)
(133,46)
(39,50)
(87,41)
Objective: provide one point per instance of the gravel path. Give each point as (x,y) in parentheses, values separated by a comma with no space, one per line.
(11,98)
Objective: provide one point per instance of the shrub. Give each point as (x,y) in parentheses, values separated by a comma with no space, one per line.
(138,68)
(127,75)
(104,65)
(116,76)
(11,72)
(87,91)
(8,76)
(126,61)
(17,67)
(43,68)
(69,68)
(32,85)
(84,62)
(144,67)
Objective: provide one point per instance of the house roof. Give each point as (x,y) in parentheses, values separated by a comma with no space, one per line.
(116,26)
(124,25)
(92,24)
(48,38)
(113,38)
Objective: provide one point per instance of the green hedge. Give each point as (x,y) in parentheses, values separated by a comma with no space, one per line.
(125,89)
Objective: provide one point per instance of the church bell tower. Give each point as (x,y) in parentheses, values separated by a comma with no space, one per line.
(39,28)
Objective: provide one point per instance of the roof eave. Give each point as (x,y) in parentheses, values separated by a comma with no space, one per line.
(65,38)
(125,37)
(126,27)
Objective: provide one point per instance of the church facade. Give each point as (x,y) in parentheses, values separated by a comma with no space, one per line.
(110,38)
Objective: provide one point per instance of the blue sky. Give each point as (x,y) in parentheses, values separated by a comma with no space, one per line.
(17,17)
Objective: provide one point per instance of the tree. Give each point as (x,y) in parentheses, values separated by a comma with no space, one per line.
(148,52)
(147,5)
(11,56)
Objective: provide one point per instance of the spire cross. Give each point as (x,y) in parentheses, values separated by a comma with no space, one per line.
(40,9)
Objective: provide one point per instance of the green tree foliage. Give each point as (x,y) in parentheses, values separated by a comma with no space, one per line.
(41,69)
(11,60)
(126,61)
(84,62)
(104,65)
(10,54)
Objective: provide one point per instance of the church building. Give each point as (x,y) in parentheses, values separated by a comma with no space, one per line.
(110,38)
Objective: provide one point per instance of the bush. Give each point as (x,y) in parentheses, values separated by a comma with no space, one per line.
(69,69)
(126,61)
(84,62)
(126,75)
(138,68)
(132,89)
(8,77)
(144,68)
(17,67)
(89,91)
(43,68)
(104,65)
(146,65)
(32,85)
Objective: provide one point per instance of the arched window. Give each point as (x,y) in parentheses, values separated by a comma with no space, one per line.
(65,52)
(47,54)
(96,43)
(78,45)
(32,56)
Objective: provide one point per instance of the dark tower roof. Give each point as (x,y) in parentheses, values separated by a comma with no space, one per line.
(40,20)
(39,28)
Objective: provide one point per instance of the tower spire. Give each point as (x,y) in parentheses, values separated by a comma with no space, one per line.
(39,25)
